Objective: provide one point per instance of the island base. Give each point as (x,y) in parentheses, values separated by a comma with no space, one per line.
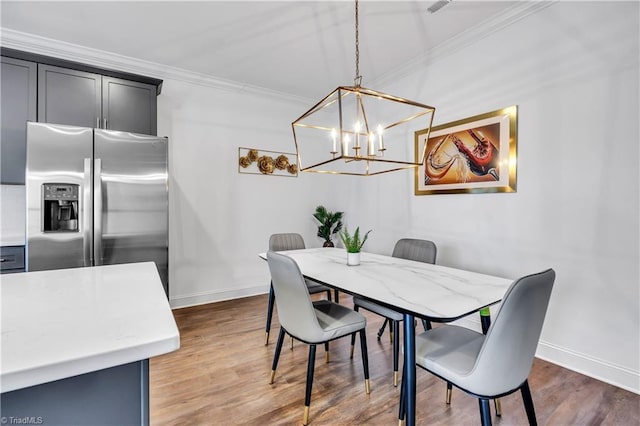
(116,396)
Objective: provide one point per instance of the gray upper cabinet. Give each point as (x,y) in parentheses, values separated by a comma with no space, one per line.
(18,89)
(129,106)
(79,98)
(48,90)
(67,96)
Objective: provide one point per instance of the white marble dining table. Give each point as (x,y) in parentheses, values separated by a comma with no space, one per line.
(433,292)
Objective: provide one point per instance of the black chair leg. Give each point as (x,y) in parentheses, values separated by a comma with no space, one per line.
(336,296)
(329,295)
(384,324)
(485,412)
(365,360)
(396,350)
(353,344)
(426,324)
(272,299)
(307,393)
(528,403)
(353,336)
(276,355)
(403,409)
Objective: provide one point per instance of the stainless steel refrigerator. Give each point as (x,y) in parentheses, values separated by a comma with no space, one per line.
(95,197)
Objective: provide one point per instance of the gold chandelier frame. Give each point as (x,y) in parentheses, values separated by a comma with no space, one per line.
(365,130)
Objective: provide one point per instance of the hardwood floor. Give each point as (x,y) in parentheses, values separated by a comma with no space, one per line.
(220,376)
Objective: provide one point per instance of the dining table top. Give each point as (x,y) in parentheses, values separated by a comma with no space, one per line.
(426,290)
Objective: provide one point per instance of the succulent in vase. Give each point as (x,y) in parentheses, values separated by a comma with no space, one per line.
(330,224)
(353,243)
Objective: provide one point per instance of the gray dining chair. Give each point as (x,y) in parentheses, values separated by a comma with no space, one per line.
(406,248)
(310,322)
(281,242)
(498,363)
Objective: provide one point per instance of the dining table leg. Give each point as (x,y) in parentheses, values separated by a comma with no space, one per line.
(485,321)
(409,379)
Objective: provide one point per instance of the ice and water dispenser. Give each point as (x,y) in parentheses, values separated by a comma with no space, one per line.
(60,202)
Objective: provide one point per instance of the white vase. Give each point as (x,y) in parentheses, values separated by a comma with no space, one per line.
(353,259)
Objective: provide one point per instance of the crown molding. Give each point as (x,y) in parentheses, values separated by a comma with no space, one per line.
(99,58)
(509,16)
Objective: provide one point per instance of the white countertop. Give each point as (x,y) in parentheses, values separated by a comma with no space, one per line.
(66,322)
(434,291)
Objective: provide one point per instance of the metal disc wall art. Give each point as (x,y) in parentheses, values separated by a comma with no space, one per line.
(270,163)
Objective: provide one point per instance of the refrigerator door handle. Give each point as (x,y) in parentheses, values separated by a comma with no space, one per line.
(97,212)
(87,216)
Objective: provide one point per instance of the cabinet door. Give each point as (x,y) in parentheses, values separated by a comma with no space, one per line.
(18,93)
(68,96)
(129,106)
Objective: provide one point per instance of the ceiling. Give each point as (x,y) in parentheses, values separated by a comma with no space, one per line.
(300,48)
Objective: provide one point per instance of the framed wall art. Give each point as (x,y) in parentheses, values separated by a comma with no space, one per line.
(473,155)
(270,163)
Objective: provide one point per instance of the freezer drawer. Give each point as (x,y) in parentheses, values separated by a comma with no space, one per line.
(12,259)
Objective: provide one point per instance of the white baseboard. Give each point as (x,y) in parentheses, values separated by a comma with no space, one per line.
(602,370)
(185,301)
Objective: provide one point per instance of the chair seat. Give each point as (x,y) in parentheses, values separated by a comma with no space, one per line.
(449,351)
(378,309)
(314,287)
(336,320)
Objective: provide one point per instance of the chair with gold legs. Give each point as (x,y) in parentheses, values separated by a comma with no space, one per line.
(310,322)
(406,248)
(289,241)
(498,363)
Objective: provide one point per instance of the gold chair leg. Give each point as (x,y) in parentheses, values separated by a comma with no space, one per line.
(273,377)
(326,357)
(351,354)
(448,400)
(367,386)
(266,339)
(498,406)
(290,342)
(305,418)
(395,379)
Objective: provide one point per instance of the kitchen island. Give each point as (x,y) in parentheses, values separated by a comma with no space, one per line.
(76,344)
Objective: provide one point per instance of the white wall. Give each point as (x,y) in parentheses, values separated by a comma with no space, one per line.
(219,219)
(572,69)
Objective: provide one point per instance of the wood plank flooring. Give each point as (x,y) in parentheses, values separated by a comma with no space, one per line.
(220,376)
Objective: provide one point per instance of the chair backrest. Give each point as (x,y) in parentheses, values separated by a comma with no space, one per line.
(295,309)
(280,242)
(505,359)
(418,250)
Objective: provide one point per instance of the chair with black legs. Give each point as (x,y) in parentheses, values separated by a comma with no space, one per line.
(310,322)
(406,248)
(498,363)
(281,242)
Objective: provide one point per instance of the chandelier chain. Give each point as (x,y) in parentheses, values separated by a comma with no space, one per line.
(358,79)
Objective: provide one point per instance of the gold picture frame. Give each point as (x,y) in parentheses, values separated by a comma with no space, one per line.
(270,163)
(474,155)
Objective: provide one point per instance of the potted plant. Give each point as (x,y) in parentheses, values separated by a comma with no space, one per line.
(353,244)
(330,224)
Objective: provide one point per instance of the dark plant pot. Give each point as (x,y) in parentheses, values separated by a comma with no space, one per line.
(328,244)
